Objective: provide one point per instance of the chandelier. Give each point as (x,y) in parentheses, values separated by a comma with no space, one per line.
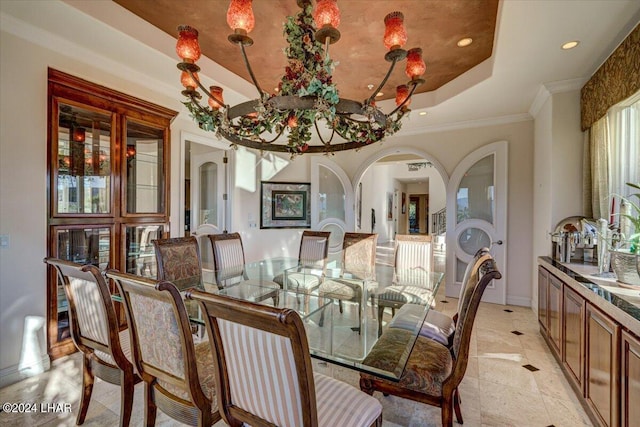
(306,97)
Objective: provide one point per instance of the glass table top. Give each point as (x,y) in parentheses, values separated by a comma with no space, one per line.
(342,325)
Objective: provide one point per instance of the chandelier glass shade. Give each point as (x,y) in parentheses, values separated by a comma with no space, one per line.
(306,99)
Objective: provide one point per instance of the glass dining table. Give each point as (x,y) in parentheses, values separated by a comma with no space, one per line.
(339,333)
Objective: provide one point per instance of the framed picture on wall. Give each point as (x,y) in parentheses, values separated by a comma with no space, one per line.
(285,204)
(404,203)
(389,206)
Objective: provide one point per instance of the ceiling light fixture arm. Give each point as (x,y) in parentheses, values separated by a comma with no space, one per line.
(414,84)
(248,65)
(399,55)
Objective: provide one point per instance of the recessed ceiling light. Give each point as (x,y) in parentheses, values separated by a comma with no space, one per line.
(465,42)
(422,113)
(379,94)
(570,45)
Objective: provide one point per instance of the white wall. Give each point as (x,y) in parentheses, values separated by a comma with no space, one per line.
(558,157)
(250,169)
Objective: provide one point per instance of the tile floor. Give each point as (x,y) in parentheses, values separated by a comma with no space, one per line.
(497,389)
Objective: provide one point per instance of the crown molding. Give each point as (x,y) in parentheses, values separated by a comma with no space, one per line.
(547,89)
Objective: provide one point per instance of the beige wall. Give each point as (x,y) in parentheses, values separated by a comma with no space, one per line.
(558,170)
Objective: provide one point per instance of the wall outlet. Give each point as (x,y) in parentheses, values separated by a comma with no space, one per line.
(252,224)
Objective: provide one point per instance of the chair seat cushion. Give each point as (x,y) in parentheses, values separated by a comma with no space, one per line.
(206,375)
(279,279)
(340,404)
(404,294)
(302,282)
(125,345)
(436,326)
(344,289)
(429,364)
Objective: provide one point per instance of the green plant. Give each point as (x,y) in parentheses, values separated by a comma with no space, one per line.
(633,240)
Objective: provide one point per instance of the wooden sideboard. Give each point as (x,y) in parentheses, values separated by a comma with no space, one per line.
(593,329)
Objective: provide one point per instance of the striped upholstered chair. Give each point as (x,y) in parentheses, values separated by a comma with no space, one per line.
(312,262)
(228,263)
(179,261)
(437,325)
(413,260)
(177,374)
(106,351)
(263,370)
(228,258)
(433,371)
(358,269)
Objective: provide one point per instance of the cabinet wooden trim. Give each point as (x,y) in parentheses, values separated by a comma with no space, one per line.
(602,372)
(554,312)
(543,291)
(630,375)
(573,316)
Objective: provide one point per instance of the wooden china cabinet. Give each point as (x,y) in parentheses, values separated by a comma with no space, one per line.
(108,186)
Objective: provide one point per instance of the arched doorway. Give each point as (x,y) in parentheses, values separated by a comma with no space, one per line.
(401,190)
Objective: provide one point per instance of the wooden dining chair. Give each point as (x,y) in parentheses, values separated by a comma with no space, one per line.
(229,266)
(263,370)
(433,372)
(312,258)
(177,374)
(358,270)
(106,351)
(413,261)
(228,258)
(437,325)
(178,260)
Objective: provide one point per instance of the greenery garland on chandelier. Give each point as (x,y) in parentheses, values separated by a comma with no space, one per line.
(306,94)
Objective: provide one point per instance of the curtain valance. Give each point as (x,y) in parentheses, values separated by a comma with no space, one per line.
(617,79)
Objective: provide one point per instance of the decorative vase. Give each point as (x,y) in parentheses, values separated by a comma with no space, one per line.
(624,264)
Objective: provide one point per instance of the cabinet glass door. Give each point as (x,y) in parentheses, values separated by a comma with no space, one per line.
(141,258)
(84,161)
(144,169)
(81,245)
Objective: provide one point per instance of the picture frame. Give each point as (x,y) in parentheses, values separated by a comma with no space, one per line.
(389,206)
(404,203)
(285,204)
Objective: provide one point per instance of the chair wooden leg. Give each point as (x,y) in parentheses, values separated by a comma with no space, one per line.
(446,412)
(87,388)
(456,406)
(150,407)
(127,383)
(205,419)
(380,314)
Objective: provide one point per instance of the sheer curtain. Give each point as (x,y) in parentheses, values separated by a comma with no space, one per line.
(614,150)
(599,150)
(624,159)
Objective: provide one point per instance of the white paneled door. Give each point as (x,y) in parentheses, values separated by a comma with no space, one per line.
(208,209)
(477,216)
